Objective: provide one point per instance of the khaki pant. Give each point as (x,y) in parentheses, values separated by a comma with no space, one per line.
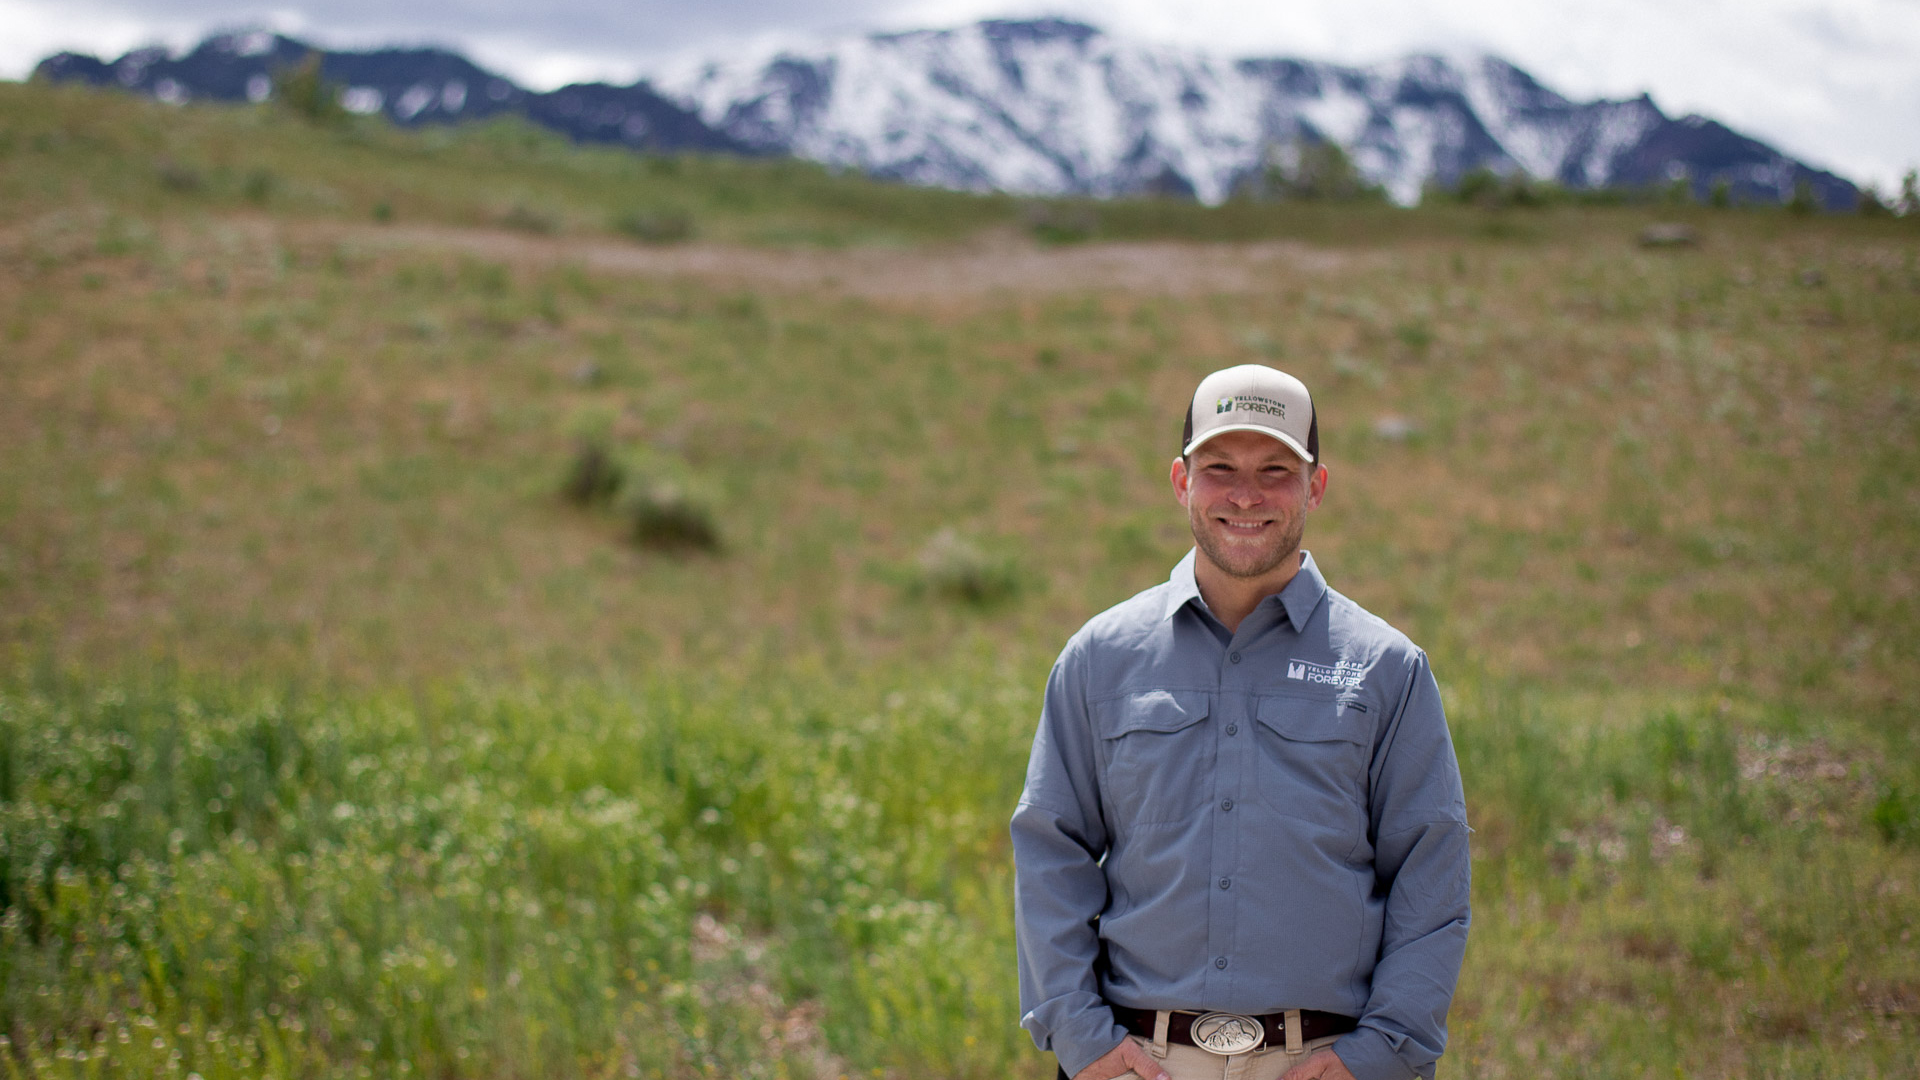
(1193,1063)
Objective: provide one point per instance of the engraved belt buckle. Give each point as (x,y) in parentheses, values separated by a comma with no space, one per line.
(1227,1033)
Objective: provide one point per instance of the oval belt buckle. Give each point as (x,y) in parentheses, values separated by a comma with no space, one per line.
(1227,1033)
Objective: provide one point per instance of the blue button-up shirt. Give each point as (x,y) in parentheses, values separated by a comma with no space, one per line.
(1253,821)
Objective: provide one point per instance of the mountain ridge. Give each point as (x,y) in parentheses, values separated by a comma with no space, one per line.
(1038,107)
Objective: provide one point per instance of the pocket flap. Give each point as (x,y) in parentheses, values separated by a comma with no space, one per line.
(1151,710)
(1315,719)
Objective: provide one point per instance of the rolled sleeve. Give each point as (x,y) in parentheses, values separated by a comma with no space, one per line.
(1422,870)
(1059,885)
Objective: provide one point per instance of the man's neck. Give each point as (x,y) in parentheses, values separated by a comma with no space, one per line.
(1232,599)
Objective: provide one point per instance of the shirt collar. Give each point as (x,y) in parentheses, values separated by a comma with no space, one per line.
(1181,585)
(1304,592)
(1299,598)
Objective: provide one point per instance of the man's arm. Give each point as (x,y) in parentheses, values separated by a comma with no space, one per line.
(1418,821)
(1059,888)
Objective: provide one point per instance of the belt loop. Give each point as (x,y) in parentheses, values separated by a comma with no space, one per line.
(1294,1043)
(1160,1023)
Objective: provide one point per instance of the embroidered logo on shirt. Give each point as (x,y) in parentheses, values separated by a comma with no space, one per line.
(1345,673)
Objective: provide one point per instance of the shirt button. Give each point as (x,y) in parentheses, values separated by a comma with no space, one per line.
(1220,962)
(1226,804)
(1226,883)
(1233,729)
(1235,657)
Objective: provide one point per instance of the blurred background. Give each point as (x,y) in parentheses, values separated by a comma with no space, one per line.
(531,546)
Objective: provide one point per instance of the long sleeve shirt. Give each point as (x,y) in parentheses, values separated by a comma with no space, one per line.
(1252,821)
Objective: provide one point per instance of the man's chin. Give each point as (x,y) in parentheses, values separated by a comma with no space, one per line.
(1244,564)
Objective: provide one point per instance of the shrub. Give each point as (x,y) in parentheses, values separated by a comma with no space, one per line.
(1052,223)
(302,90)
(954,568)
(1896,815)
(665,517)
(593,477)
(1803,202)
(1478,186)
(1317,171)
(656,226)
(1415,334)
(1486,188)
(177,177)
(258,186)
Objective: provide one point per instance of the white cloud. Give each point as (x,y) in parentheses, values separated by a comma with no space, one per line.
(36,29)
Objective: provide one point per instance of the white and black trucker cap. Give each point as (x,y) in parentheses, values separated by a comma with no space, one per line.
(1253,397)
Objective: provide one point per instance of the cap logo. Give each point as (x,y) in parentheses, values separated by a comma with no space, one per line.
(1250,403)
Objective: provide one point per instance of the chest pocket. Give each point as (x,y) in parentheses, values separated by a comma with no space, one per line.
(1158,753)
(1313,758)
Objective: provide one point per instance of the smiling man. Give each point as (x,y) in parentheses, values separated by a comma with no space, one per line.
(1241,852)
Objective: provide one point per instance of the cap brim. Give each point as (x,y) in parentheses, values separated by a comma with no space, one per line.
(1285,439)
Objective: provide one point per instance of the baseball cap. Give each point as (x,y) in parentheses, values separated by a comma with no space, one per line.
(1253,397)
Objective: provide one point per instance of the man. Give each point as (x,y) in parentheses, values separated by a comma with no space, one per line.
(1241,852)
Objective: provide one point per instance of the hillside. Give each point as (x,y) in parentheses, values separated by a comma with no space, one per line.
(334,736)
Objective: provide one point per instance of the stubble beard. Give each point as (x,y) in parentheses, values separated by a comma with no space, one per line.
(1240,562)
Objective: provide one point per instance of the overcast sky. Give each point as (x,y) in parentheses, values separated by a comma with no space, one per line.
(1835,82)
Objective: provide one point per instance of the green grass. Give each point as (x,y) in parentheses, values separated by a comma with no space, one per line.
(506,885)
(700,876)
(336,740)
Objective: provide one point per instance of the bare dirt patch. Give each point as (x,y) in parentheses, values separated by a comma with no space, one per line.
(1000,263)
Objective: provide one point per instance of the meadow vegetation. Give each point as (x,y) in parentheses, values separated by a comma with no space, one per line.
(476,606)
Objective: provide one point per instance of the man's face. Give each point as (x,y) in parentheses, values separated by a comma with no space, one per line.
(1247,496)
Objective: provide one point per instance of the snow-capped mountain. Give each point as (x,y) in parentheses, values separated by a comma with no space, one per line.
(1041,107)
(1052,106)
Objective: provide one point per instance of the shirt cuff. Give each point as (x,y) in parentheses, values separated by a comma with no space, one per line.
(1369,1056)
(1076,1050)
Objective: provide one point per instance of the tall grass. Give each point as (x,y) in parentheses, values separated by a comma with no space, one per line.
(663,879)
(678,878)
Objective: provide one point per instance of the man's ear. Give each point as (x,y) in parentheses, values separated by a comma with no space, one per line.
(1178,477)
(1316,486)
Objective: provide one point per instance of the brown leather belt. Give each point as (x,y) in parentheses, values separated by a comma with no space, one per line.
(1313,1025)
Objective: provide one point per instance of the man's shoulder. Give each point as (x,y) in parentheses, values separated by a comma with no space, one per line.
(1349,623)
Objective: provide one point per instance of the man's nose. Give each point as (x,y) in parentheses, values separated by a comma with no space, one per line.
(1243,494)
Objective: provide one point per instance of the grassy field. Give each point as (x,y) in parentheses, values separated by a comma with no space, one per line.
(334,740)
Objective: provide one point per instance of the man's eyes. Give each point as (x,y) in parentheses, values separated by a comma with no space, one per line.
(1269,470)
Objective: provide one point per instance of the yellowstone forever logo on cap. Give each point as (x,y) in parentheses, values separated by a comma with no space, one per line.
(1251,404)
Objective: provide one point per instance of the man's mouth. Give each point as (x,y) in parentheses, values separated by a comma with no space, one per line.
(1244,526)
